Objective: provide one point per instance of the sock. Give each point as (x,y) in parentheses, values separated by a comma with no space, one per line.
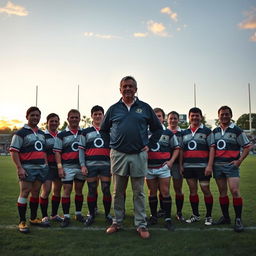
(208,204)
(179,200)
(194,202)
(238,205)
(79,202)
(65,201)
(44,206)
(33,204)
(160,197)
(224,204)
(107,204)
(153,205)
(22,208)
(91,202)
(55,205)
(167,206)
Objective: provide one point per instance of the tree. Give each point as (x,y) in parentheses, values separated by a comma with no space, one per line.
(65,124)
(243,121)
(5,130)
(87,121)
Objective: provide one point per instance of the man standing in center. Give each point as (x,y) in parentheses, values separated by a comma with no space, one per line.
(127,123)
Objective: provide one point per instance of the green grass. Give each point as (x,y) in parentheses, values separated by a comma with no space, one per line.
(200,240)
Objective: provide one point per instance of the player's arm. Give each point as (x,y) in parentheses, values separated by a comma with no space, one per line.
(59,164)
(16,159)
(244,154)
(175,154)
(181,162)
(208,169)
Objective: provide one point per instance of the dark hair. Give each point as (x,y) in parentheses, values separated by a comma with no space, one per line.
(224,108)
(128,78)
(51,116)
(73,111)
(159,110)
(195,110)
(173,113)
(97,108)
(31,109)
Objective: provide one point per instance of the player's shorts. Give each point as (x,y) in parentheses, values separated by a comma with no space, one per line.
(53,174)
(196,173)
(175,172)
(162,172)
(73,174)
(36,174)
(95,171)
(134,165)
(226,171)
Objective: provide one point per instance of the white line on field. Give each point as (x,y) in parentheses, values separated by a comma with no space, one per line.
(130,228)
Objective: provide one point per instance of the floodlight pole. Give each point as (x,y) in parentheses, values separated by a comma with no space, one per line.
(250,110)
(78,97)
(194,95)
(36,95)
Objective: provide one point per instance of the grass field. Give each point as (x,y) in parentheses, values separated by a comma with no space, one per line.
(194,239)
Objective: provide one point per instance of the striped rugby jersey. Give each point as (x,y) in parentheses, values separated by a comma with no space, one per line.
(67,144)
(49,140)
(96,148)
(229,143)
(178,134)
(31,147)
(196,146)
(162,150)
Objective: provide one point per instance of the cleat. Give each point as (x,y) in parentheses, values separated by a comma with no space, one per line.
(109,219)
(80,218)
(193,219)
(112,229)
(46,222)
(222,221)
(208,221)
(168,225)
(65,223)
(152,220)
(238,227)
(23,228)
(180,218)
(38,222)
(160,213)
(89,220)
(56,218)
(143,232)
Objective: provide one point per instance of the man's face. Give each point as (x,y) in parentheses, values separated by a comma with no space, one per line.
(97,117)
(160,117)
(33,118)
(225,116)
(74,120)
(195,119)
(128,89)
(53,123)
(173,120)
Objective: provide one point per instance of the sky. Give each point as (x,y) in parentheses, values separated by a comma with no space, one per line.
(167,45)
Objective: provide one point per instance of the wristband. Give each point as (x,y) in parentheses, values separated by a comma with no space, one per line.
(59,165)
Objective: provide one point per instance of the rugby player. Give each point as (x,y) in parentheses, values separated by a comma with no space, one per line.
(161,157)
(52,181)
(67,159)
(197,156)
(177,178)
(94,159)
(28,154)
(229,140)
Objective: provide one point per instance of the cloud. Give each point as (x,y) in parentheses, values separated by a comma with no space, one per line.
(138,34)
(9,123)
(157,28)
(170,13)
(102,36)
(253,37)
(250,20)
(13,9)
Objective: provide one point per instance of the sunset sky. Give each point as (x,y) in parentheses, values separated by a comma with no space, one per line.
(166,45)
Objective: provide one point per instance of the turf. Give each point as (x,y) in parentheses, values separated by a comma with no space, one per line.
(195,239)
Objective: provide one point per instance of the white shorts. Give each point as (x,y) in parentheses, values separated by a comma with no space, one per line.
(162,172)
(73,173)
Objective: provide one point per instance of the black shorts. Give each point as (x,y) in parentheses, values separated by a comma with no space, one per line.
(53,174)
(196,173)
(95,171)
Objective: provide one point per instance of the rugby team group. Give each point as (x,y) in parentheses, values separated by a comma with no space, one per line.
(130,140)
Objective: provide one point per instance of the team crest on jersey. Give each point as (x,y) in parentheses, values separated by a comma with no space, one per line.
(164,138)
(138,110)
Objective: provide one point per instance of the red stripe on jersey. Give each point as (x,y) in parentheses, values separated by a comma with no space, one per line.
(227,153)
(70,155)
(97,152)
(196,154)
(51,158)
(159,155)
(32,155)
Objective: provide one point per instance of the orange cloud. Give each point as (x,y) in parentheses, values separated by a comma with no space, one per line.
(250,20)
(10,123)
(13,9)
